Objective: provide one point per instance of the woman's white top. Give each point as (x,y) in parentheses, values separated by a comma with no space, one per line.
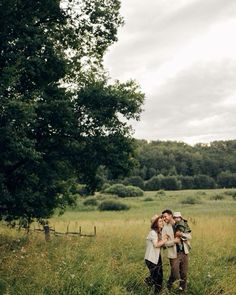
(152,252)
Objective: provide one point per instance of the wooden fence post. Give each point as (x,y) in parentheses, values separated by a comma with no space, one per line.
(67,231)
(46,232)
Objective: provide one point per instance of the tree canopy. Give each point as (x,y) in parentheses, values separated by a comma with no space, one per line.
(199,166)
(60,118)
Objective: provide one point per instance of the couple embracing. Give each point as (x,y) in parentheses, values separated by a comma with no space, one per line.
(171,232)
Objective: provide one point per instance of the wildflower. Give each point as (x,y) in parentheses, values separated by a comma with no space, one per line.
(23,250)
(209,275)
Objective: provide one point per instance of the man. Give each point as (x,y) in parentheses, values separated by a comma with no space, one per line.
(177,251)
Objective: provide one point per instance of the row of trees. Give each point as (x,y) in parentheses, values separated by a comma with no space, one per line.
(60,118)
(177,165)
(176,182)
(177,158)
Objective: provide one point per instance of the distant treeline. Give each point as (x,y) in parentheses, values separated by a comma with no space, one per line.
(177,165)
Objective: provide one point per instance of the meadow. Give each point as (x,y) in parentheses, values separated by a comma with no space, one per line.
(112,262)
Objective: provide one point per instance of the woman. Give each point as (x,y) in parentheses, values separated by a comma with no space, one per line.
(152,257)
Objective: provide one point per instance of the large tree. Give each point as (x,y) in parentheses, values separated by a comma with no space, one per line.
(60,119)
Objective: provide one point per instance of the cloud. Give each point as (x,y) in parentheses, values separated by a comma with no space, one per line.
(197,103)
(155,31)
(183,54)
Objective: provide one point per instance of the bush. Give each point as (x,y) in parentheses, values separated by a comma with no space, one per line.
(124,191)
(217,197)
(102,197)
(234,196)
(105,186)
(201,193)
(90,202)
(111,205)
(153,184)
(134,181)
(148,199)
(161,193)
(229,193)
(82,190)
(191,201)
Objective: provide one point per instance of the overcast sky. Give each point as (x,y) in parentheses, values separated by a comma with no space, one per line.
(183,55)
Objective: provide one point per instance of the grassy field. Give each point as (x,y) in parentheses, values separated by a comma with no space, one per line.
(112,262)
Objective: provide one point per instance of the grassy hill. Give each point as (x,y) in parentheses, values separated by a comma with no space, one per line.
(112,262)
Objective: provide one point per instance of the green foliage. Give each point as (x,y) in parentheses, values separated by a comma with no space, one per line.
(112,205)
(153,184)
(105,186)
(187,182)
(162,182)
(179,159)
(3,287)
(217,197)
(227,179)
(170,183)
(229,192)
(190,200)
(123,191)
(81,189)
(90,202)
(148,199)
(104,196)
(134,181)
(151,172)
(204,182)
(60,118)
(161,193)
(201,193)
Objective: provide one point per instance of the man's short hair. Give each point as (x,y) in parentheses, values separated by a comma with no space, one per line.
(168,211)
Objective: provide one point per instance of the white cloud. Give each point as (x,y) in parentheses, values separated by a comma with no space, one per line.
(183,54)
(228,102)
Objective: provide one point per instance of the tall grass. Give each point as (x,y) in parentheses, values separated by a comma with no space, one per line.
(112,262)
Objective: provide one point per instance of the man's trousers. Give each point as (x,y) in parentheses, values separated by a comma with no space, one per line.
(179,270)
